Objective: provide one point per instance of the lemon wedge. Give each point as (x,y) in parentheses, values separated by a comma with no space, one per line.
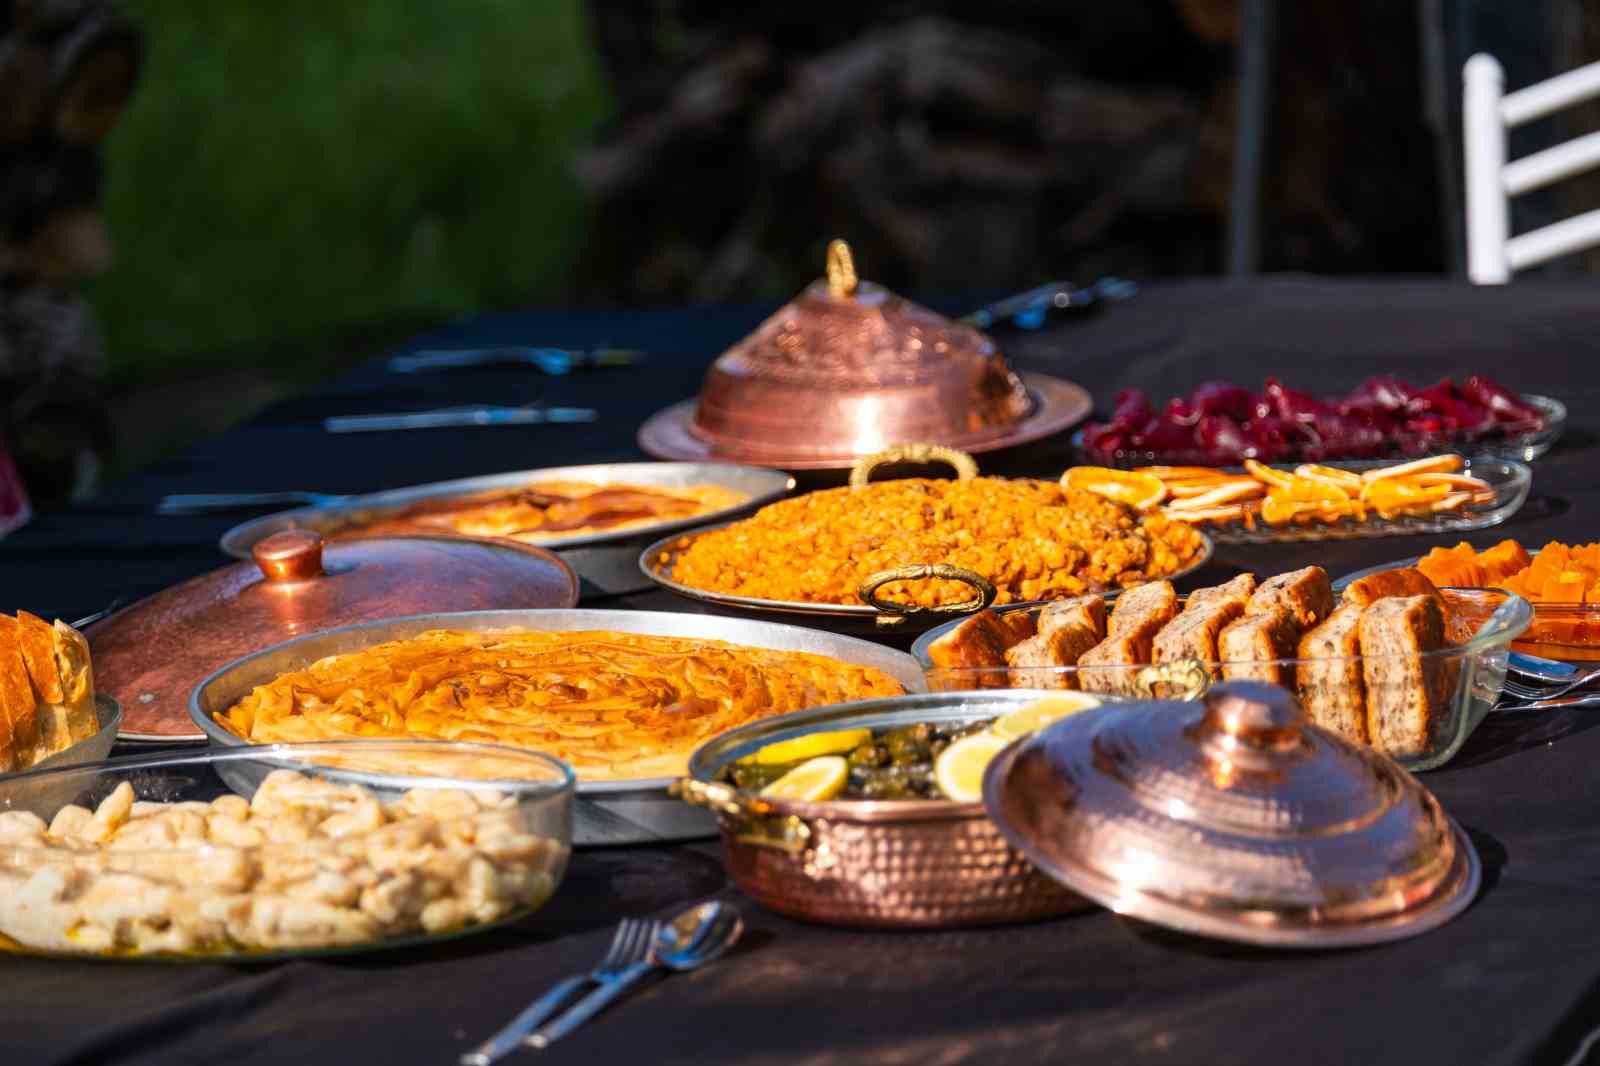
(1040,713)
(959,769)
(811,745)
(814,780)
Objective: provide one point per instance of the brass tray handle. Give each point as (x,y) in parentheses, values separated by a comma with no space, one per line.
(891,613)
(1189,675)
(753,820)
(965,466)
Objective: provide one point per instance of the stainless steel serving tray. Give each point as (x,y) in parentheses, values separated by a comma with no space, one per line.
(656,564)
(606,563)
(606,812)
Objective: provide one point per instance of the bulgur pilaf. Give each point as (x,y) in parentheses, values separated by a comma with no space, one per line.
(1032,539)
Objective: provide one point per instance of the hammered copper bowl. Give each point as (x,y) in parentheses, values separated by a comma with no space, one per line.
(911,864)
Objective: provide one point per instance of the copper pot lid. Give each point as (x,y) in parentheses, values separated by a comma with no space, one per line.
(152,654)
(847,368)
(1233,818)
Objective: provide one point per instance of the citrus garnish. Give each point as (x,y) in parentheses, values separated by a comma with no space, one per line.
(814,780)
(1136,490)
(811,745)
(959,769)
(1040,713)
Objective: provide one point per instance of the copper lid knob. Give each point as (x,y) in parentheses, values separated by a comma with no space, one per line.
(289,555)
(1254,714)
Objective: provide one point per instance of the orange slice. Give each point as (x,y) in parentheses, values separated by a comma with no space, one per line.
(1345,478)
(1305,488)
(1227,492)
(1184,473)
(1264,473)
(1434,464)
(1137,490)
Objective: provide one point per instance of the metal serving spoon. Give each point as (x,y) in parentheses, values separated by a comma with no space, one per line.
(694,938)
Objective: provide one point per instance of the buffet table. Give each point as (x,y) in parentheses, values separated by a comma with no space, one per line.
(1515,979)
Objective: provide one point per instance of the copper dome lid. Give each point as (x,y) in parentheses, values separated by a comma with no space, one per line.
(1234,818)
(848,368)
(151,654)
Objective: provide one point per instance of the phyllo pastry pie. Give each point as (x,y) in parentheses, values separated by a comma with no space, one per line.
(613,705)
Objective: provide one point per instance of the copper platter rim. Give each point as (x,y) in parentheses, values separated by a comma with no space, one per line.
(1454,894)
(656,563)
(1058,405)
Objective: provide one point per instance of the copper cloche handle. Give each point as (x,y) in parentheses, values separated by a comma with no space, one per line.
(965,466)
(289,555)
(891,613)
(842,279)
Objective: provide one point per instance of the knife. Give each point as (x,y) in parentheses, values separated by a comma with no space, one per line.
(553,361)
(459,416)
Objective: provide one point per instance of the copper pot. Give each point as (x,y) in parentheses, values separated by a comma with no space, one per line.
(886,864)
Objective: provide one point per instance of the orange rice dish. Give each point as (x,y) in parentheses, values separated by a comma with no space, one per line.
(1031,539)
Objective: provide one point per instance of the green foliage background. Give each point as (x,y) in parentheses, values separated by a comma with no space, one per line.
(292,167)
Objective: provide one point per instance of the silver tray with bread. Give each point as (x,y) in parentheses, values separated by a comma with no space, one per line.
(624,697)
(50,714)
(1394,663)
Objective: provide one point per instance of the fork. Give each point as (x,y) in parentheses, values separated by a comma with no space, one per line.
(1545,692)
(630,944)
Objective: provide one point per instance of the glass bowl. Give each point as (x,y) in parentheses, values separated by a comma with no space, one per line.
(1467,675)
(279,850)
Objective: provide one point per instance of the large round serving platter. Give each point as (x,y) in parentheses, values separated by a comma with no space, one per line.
(657,560)
(1056,404)
(606,812)
(606,563)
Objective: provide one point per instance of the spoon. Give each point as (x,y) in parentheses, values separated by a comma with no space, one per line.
(694,938)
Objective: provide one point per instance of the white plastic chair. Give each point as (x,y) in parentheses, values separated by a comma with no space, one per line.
(1493,255)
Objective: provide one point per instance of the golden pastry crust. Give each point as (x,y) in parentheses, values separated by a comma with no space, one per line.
(548,510)
(613,705)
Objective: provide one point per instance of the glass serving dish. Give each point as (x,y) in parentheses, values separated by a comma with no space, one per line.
(279,851)
(1523,447)
(1567,631)
(1466,677)
(1509,479)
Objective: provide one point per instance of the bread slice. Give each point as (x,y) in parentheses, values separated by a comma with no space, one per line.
(20,732)
(1240,588)
(1401,581)
(1143,609)
(1037,661)
(1136,617)
(1305,593)
(1130,652)
(980,642)
(1250,647)
(1193,634)
(37,641)
(1080,612)
(77,681)
(1328,678)
(1407,688)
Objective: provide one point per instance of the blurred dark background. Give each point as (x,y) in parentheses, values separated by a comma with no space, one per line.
(293,186)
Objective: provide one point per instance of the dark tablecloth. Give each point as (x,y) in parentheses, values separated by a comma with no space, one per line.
(1515,979)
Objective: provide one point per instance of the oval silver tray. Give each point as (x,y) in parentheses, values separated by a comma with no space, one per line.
(606,563)
(606,812)
(657,560)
